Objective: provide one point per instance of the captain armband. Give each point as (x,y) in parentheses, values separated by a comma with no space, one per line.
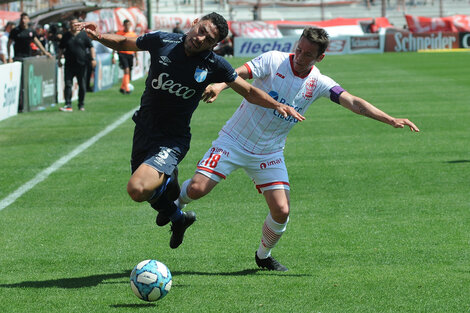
(335,92)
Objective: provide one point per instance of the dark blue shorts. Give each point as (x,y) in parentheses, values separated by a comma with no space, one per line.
(163,154)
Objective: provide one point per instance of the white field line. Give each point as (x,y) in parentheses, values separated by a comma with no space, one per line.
(60,162)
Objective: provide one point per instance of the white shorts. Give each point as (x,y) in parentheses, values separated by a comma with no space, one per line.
(267,171)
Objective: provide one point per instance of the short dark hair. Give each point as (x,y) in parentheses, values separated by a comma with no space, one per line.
(317,36)
(125,21)
(23,14)
(219,22)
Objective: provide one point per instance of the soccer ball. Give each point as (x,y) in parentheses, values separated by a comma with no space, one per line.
(130,86)
(151,280)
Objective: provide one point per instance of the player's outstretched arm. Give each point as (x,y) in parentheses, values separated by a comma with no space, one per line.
(113,41)
(261,98)
(212,91)
(362,107)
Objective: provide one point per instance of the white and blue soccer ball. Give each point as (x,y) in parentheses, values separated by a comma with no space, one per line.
(130,86)
(151,280)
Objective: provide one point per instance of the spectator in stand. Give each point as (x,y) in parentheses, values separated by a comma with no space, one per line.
(255,12)
(73,47)
(54,36)
(22,37)
(373,27)
(177,29)
(4,42)
(42,37)
(126,58)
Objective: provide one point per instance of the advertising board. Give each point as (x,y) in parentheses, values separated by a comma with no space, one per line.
(39,83)
(10,78)
(406,42)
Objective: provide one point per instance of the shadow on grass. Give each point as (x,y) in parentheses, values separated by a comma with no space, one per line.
(134,305)
(240,273)
(458,161)
(78,282)
(95,280)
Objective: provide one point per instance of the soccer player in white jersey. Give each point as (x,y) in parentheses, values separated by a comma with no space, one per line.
(254,137)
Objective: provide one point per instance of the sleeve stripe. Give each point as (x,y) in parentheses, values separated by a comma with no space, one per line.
(249,70)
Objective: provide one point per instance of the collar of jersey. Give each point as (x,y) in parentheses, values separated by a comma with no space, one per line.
(291,59)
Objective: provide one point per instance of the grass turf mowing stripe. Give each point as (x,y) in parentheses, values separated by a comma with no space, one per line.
(59,163)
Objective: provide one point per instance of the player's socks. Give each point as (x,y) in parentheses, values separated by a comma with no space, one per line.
(271,234)
(158,192)
(177,216)
(125,82)
(173,188)
(183,198)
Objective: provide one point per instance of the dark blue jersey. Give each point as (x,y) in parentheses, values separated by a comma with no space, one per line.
(175,84)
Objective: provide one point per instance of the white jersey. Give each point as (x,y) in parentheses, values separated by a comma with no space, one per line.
(262,131)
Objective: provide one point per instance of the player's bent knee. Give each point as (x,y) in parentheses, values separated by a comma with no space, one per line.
(196,191)
(135,192)
(280,213)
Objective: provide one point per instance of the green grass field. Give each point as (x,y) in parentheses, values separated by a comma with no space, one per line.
(380,218)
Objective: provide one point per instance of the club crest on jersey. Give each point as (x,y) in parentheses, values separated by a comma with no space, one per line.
(310,86)
(200,74)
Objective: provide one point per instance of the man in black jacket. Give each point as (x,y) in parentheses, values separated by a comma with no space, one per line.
(73,46)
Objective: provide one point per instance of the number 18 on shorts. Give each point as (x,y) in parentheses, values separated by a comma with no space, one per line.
(267,171)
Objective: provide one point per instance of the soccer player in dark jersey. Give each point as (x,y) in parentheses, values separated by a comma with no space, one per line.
(182,65)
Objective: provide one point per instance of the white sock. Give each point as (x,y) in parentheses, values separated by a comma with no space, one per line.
(183,199)
(272,232)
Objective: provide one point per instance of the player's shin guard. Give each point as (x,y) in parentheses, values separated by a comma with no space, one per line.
(272,232)
(183,199)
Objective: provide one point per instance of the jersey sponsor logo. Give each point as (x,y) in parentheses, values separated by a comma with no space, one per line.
(216,150)
(270,163)
(164,60)
(274,94)
(310,86)
(200,74)
(172,87)
(289,118)
(280,75)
